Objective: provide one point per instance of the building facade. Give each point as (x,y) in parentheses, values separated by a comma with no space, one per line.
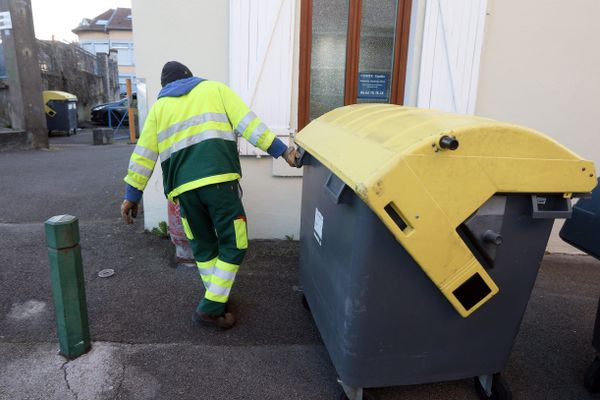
(111,30)
(292,60)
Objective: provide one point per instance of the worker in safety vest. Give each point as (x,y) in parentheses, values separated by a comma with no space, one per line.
(193,127)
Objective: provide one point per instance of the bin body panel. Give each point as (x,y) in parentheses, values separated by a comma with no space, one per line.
(382,320)
(583,229)
(65,118)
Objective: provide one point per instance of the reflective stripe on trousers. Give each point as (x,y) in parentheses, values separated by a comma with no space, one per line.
(221,281)
(206,270)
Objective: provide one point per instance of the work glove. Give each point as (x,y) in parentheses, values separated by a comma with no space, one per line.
(127,207)
(291,156)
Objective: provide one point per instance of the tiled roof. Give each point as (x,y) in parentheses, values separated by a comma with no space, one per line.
(110,20)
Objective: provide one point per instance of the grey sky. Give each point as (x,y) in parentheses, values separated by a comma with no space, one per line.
(58,17)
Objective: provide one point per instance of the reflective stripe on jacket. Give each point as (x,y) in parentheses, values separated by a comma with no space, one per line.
(195,135)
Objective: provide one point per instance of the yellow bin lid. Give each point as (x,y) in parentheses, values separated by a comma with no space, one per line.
(58,95)
(392,157)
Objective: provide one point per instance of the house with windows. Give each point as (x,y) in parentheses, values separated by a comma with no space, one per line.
(293,60)
(111,30)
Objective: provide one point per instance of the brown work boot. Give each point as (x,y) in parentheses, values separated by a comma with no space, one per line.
(223,322)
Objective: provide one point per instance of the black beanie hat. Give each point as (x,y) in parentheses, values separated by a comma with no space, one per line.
(173,71)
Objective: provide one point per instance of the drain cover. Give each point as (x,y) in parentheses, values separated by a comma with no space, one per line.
(105,273)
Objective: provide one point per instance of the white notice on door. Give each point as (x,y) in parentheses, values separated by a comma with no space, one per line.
(318,226)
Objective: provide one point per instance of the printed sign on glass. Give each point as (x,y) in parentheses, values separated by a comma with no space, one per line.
(373,85)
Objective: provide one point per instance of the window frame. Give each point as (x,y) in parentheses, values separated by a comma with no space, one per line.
(94,45)
(400,55)
(127,48)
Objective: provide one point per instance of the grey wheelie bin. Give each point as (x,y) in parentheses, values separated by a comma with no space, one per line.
(421,237)
(61,111)
(583,232)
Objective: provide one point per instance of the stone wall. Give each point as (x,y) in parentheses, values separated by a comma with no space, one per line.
(94,79)
(4,116)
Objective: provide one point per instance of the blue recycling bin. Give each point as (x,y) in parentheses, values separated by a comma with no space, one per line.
(583,229)
(583,232)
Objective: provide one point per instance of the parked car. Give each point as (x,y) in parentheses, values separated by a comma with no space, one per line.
(118,110)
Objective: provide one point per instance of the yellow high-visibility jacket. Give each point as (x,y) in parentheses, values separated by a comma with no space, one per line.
(192,127)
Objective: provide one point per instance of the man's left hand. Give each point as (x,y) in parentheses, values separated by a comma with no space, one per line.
(128,207)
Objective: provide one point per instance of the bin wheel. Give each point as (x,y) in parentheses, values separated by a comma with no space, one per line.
(366,396)
(500,389)
(591,381)
(305,303)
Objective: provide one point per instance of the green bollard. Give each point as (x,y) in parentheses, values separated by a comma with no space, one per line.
(68,290)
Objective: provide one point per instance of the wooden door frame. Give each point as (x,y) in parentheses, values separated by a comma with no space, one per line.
(401,51)
(305,60)
(352,52)
(402,34)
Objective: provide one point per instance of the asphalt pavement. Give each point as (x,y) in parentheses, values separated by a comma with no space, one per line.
(144,346)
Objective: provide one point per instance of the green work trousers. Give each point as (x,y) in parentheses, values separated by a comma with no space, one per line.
(214,221)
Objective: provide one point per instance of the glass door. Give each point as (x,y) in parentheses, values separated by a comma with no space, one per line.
(351,51)
(376,54)
(328,58)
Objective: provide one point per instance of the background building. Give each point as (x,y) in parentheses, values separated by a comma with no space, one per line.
(2,64)
(111,30)
(292,60)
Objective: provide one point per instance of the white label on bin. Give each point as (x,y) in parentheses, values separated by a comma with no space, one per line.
(318,226)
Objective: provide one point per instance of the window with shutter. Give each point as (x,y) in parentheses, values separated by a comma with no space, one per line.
(451,53)
(261,62)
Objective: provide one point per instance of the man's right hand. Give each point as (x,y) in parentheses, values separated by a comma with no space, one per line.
(128,207)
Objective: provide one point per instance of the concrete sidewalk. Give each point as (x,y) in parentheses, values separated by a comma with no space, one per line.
(144,346)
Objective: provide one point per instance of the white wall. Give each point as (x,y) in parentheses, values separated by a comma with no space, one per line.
(272,203)
(540,68)
(191,35)
(196,33)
